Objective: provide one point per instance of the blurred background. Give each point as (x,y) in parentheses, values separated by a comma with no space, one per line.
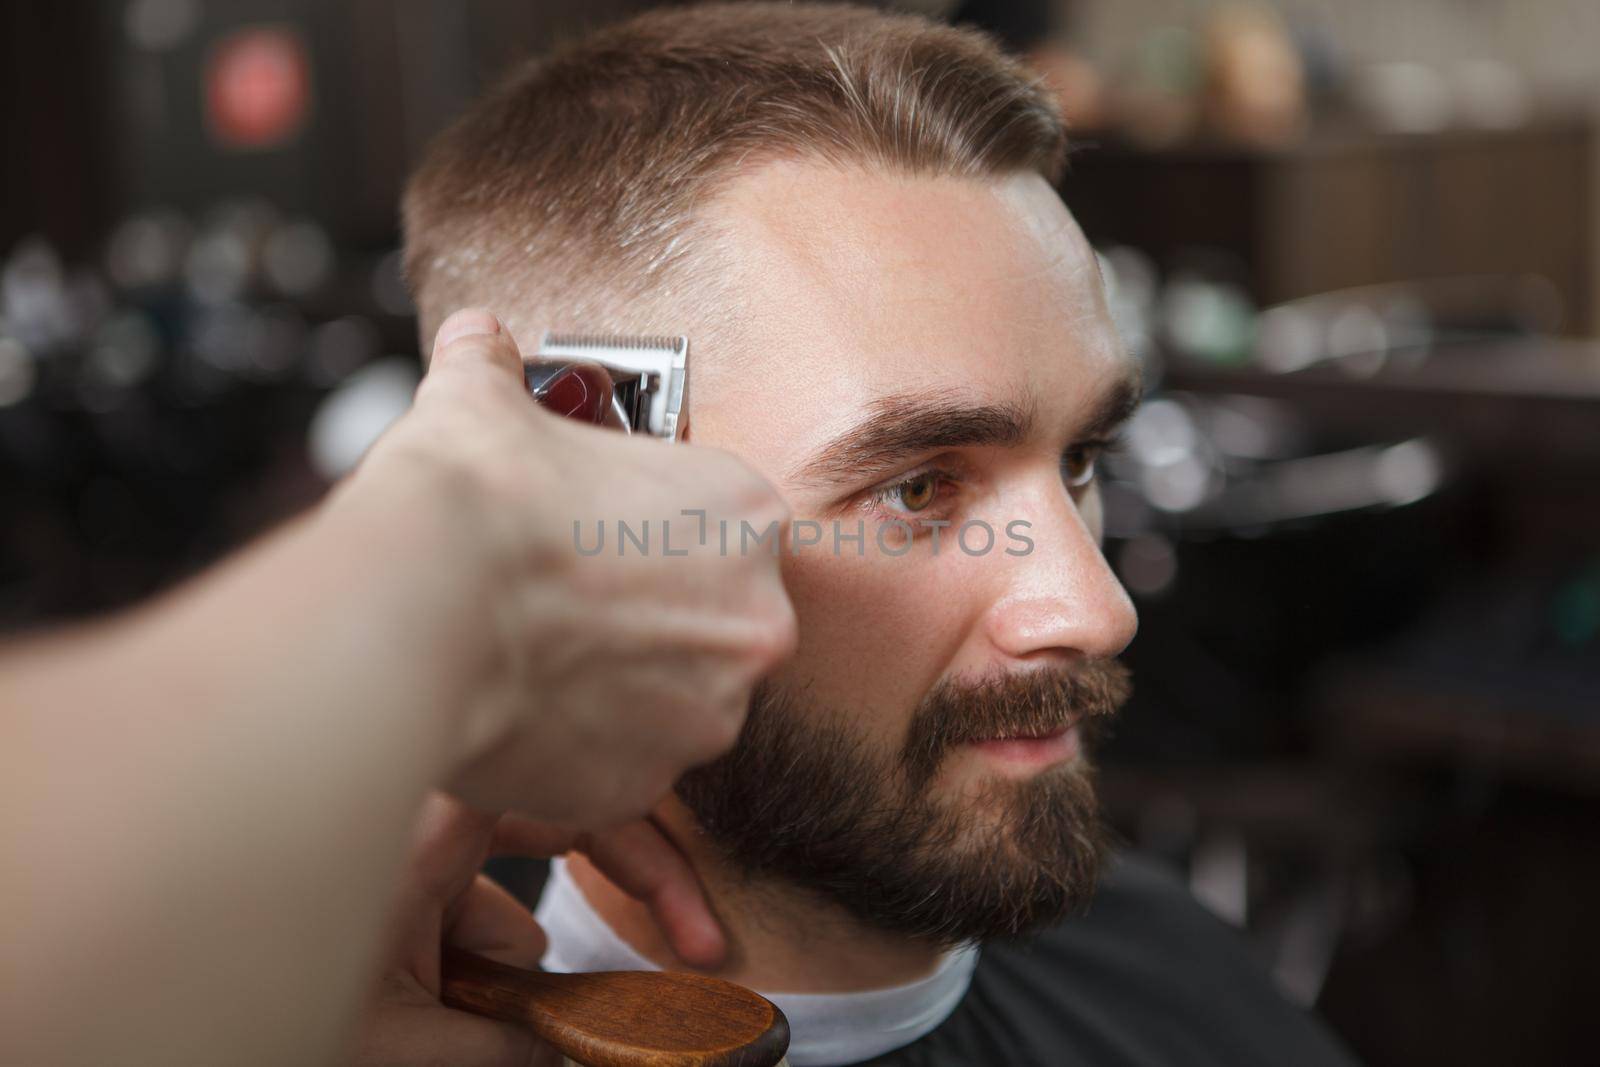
(1354,243)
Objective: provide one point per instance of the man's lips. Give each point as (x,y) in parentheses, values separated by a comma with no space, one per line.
(1040,733)
(1023,752)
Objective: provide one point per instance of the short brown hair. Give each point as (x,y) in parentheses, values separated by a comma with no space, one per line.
(572,187)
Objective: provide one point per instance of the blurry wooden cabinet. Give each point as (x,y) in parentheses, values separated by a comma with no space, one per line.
(1341,210)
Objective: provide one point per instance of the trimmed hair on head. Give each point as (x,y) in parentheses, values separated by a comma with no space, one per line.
(571,189)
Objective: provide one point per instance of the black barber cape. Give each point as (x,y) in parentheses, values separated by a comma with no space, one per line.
(1146,976)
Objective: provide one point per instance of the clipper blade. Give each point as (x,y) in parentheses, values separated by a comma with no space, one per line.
(649,375)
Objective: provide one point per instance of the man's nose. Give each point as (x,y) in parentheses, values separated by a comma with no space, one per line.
(1059,596)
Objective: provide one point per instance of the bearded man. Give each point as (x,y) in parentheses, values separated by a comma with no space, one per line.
(895,320)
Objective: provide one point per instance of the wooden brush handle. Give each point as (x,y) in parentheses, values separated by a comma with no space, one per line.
(624,1018)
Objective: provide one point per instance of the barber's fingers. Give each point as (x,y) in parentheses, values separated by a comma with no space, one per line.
(446,900)
(408,1027)
(518,835)
(646,865)
(449,842)
(493,923)
(473,337)
(641,861)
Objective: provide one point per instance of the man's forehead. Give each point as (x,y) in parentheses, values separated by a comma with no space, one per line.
(870,240)
(856,285)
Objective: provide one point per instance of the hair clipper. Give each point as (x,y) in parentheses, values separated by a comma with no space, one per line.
(634,384)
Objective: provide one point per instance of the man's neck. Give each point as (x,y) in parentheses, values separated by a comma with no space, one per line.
(779,940)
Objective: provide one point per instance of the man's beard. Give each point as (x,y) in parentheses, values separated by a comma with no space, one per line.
(805,799)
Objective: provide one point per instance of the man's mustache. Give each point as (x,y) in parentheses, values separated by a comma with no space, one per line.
(1023,704)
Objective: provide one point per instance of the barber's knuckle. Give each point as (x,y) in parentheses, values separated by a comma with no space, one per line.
(764,502)
(721,729)
(698,729)
(745,492)
(775,634)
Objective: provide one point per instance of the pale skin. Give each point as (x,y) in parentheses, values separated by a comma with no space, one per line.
(860,286)
(205,803)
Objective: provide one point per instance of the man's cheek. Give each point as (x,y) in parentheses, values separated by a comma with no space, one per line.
(877,632)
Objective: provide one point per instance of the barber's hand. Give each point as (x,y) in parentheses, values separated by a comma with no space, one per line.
(597,679)
(445,900)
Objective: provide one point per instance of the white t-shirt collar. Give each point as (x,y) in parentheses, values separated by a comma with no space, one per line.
(826,1029)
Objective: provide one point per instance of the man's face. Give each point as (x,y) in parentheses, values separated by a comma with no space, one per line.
(927,351)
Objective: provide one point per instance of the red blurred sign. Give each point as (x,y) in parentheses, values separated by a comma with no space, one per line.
(258,87)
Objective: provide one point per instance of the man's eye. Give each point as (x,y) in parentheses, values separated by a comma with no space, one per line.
(918,493)
(1077,465)
(923,493)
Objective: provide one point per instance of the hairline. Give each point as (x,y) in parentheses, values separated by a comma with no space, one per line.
(592,305)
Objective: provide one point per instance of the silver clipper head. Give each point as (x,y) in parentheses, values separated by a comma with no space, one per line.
(648,375)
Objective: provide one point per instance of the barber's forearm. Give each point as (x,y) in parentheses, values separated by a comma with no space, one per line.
(266,746)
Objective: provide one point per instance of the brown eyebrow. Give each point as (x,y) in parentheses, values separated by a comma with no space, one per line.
(905,425)
(1115,405)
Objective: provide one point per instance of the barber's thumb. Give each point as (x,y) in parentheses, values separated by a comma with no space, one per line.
(474,334)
